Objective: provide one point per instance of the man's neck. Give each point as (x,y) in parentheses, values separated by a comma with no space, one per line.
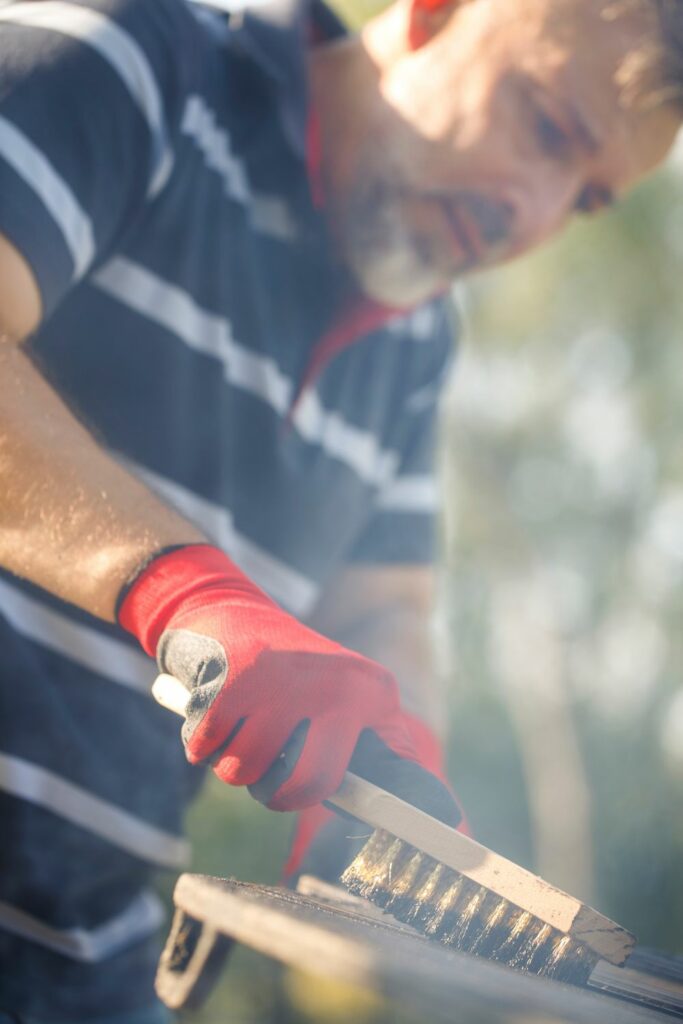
(343,85)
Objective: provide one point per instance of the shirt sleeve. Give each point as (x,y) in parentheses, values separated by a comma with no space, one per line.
(402,526)
(91,96)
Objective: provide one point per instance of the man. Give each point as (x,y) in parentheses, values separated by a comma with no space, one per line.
(208,232)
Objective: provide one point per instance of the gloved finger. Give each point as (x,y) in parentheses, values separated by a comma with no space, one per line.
(206,737)
(245,757)
(375,761)
(319,769)
(266,784)
(193,658)
(201,665)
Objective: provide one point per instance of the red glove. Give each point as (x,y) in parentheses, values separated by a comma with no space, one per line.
(254,674)
(327,856)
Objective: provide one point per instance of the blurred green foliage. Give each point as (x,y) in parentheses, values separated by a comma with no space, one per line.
(562,562)
(562,457)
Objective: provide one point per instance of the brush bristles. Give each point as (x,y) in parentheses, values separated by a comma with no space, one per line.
(446,906)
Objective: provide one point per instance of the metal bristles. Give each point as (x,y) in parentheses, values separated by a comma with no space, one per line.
(457,912)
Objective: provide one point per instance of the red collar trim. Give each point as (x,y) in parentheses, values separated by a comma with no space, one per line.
(354,322)
(357,318)
(314,160)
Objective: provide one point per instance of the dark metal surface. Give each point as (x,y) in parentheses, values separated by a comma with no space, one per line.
(649,978)
(333,941)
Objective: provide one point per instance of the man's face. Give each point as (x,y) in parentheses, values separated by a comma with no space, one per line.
(484,140)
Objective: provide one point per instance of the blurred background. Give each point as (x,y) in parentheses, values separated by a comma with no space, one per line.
(561,562)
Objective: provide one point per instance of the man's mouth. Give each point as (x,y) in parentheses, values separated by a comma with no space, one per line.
(468,240)
(479,228)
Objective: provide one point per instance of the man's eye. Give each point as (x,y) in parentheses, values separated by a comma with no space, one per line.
(552,138)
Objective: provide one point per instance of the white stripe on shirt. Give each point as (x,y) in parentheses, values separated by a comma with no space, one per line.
(82,644)
(54,193)
(122,53)
(291,588)
(269,215)
(419,324)
(139,919)
(358,448)
(44,788)
(199,124)
(409,494)
(175,310)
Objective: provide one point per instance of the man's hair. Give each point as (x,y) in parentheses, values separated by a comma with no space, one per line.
(670,23)
(652,74)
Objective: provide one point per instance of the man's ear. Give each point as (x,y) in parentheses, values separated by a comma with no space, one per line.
(426,18)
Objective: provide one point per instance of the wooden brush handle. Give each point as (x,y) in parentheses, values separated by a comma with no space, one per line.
(508,880)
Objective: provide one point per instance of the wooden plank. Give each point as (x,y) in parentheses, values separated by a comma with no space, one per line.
(403,966)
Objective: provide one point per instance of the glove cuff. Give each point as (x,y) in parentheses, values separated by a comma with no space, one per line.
(163,586)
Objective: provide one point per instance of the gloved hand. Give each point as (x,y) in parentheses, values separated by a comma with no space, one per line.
(324,843)
(255,674)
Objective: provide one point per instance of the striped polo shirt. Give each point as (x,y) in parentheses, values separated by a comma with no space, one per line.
(153,173)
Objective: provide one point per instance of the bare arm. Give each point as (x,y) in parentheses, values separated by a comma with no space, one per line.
(384,612)
(71,519)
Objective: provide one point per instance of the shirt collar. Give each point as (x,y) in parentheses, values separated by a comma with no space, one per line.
(277,35)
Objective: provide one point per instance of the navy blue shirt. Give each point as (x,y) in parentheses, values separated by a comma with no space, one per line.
(153,173)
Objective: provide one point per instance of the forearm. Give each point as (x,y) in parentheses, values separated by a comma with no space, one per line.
(72,520)
(386,614)
(400,641)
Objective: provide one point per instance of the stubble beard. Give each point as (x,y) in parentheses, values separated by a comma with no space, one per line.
(389,261)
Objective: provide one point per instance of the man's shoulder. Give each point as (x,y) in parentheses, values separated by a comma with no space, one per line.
(155,23)
(114,28)
(152,10)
